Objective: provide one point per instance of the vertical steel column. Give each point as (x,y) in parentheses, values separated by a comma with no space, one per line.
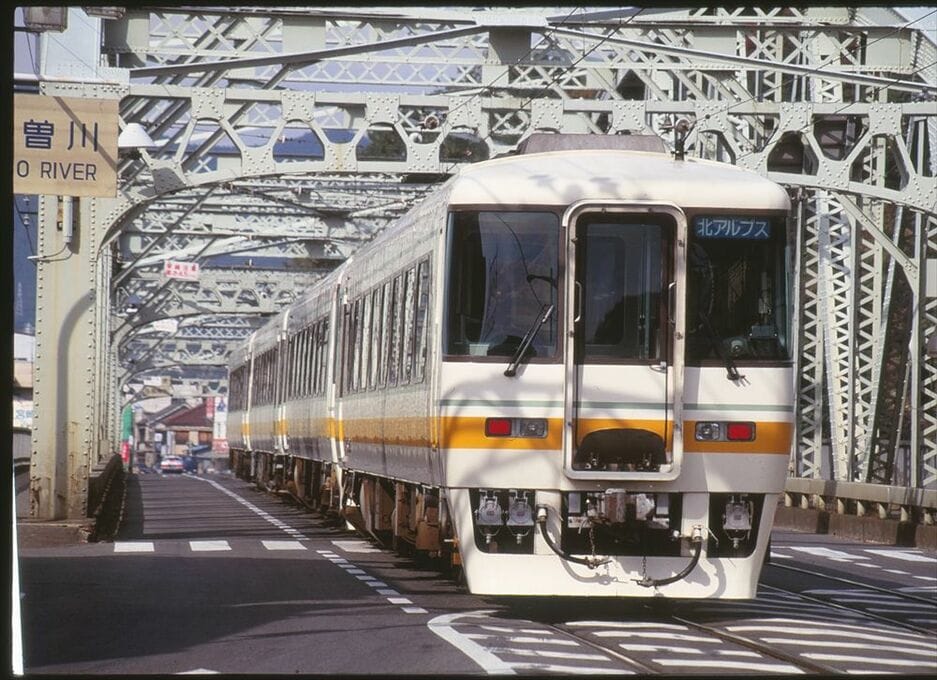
(65,354)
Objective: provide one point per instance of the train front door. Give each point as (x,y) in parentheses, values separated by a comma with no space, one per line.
(621,350)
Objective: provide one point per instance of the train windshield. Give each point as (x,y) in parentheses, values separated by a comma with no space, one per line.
(503,276)
(738,306)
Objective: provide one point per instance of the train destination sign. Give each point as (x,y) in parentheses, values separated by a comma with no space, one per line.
(64,146)
(740,228)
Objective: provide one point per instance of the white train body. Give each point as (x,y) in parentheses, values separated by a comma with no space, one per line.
(644,433)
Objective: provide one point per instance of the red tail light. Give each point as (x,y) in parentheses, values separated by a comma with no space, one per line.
(740,432)
(497,427)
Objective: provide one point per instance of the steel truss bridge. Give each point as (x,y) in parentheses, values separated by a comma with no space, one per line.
(285,138)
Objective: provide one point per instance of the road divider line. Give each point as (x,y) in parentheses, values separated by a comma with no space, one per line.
(250,506)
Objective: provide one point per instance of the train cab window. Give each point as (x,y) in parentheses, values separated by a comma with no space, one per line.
(622,267)
(738,290)
(503,275)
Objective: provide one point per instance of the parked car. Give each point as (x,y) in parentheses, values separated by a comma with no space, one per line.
(190,463)
(171,464)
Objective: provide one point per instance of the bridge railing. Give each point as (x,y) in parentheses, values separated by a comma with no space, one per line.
(910,504)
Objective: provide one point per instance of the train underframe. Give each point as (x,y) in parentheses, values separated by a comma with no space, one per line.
(612,542)
(406,517)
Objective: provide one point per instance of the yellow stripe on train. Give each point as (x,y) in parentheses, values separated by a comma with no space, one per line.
(468,432)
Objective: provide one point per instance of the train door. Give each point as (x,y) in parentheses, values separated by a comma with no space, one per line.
(621,352)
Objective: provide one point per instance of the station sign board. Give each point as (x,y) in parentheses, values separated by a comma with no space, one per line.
(64,146)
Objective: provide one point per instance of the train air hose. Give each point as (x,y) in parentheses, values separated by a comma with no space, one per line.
(697,540)
(592,561)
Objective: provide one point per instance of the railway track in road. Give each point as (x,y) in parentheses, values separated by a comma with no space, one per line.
(856,599)
(781,632)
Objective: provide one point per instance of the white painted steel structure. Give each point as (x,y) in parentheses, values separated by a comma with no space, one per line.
(297,133)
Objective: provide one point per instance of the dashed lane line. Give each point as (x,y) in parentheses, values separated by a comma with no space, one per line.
(330,555)
(392,596)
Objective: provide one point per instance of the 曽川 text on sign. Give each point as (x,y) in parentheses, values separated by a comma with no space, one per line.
(64,146)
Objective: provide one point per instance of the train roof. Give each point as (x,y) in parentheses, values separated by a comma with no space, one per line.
(564,177)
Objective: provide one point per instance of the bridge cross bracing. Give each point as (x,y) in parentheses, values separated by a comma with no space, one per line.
(286,137)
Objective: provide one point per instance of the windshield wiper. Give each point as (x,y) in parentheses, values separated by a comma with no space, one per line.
(542,317)
(732,372)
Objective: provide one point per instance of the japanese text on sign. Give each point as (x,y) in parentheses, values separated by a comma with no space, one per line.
(64,146)
(188,271)
(742,228)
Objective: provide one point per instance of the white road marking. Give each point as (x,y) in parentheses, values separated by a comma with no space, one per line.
(356,546)
(135,547)
(898,571)
(399,600)
(849,645)
(901,555)
(549,654)
(628,624)
(208,546)
(365,577)
(828,552)
(283,545)
(247,504)
(198,671)
(505,629)
(523,639)
(724,663)
(354,570)
(926,578)
(443,627)
(387,591)
(822,630)
(914,663)
(570,670)
(661,648)
(376,584)
(661,634)
(414,610)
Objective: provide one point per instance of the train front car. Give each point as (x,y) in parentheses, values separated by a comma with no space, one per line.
(615,389)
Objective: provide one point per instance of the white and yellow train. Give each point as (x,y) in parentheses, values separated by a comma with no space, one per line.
(569,371)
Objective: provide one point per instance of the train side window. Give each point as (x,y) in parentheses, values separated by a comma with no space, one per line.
(290,366)
(422,299)
(308,360)
(301,362)
(366,331)
(344,356)
(394,326)
(386,334)
(324,357)
(297,361)
(377,300)
(406,331)
(355,345)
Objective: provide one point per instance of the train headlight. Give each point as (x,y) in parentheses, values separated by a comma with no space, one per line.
(533,427)
(717,431)
(708,432)
(516,427)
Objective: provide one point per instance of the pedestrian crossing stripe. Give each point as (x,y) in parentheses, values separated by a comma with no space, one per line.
(134,547)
